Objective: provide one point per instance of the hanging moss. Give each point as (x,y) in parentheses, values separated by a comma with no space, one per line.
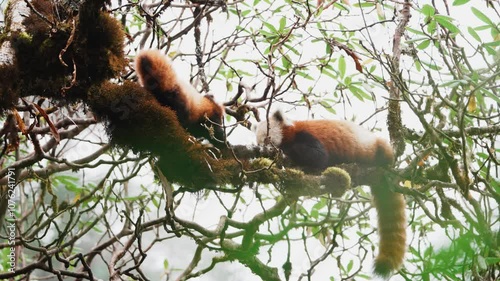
(94,43)
(40,70)
(99,43)
(37,52)
(8,93)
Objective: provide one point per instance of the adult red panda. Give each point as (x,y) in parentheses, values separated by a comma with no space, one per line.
(195,112)
(317,144)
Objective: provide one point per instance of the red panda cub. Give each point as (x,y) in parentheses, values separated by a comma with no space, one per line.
(315,145)
(195,112)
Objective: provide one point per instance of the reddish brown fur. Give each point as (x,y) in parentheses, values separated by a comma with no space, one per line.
(159,75)
(344,147)
(391,228)
(203,107)
(342,143)
(156,74)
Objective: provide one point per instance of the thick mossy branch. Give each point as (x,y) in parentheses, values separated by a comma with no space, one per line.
(69,53)
(137,120)
(365,174)
(293,182)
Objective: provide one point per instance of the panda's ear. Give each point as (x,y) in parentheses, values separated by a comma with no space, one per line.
(278,116)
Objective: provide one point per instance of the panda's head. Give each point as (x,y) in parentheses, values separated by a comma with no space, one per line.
(273,133)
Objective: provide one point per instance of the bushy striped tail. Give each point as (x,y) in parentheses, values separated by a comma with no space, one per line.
(390,207)
(155,72)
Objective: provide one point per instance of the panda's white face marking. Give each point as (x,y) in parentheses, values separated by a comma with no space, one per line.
(275,129)
(275,132)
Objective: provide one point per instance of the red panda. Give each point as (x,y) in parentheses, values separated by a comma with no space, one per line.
(317,144)
(194,111)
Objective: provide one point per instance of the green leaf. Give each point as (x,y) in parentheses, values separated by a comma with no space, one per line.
(267,35)
(418,66)
(480,99)
(492,260)
(474,76)
(233,11)
(492,44)
(280,8)
(431,65)
(446,23)
(350,265)
(329,73)
(245,13)
(328,107)
(341,6)
(482,17)
(359,94)
(314,213)
(342,66)
(424,44)
(491,95)
(482,27)
(491,51)
(281,70)
(321,29)
(305,75)
(291,48)
(155,202)
(66,178)
(495,34)
(135,198)
(460,2)
(418,32)
(348,80)
(270,27)
(229,86)
(364,5)
(282,23)
(482,155)
(165,264)
(320,204)
(496,185)
(328,48)
(428,252)
(428,10)
(431,27)
(286,62)
(453,83)
(69,182)
(364,276)
(474,34)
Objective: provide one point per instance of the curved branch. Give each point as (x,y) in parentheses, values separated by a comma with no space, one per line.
(35,157)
